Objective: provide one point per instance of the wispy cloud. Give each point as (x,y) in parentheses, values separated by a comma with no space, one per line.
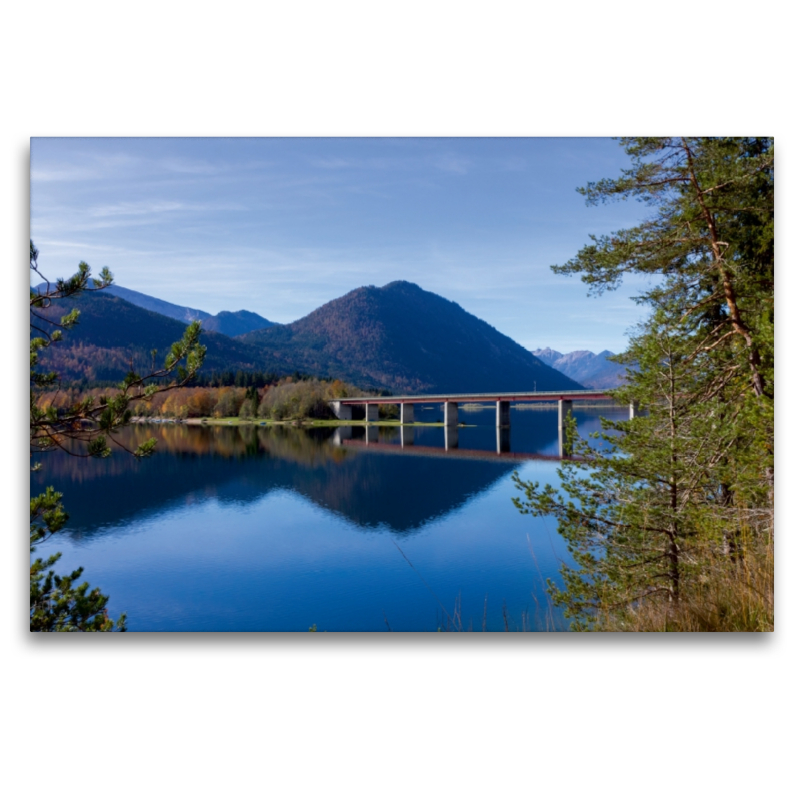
(55,174)
(443,162)
(334,163)
(514,164)
(190,167)
(160,207)
(451,163)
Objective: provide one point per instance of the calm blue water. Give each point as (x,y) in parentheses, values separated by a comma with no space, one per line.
(259,529)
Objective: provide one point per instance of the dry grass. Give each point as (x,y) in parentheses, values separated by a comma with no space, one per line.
(730,597)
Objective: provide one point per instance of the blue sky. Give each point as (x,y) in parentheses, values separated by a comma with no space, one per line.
(280,226)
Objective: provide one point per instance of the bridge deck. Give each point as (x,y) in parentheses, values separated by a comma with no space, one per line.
(584,394)
(440,452)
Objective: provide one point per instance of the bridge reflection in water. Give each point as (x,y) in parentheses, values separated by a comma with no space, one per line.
(343,410)
(270,527)
(401,440)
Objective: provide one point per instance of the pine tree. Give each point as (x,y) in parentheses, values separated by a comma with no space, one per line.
(686,491)
(58,603)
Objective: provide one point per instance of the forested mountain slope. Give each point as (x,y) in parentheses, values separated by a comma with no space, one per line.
(405,339)
(113,334)
(398,337)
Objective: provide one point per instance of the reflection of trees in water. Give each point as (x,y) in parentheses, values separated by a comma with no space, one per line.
(241,465)
(305,446)
(309,447)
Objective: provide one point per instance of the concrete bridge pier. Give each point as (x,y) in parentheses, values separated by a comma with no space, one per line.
(371,412)
(340,410)
(633,409)
(406,413)
(450,414)
(564,407)
(450,437)
(503,413)
(340,434)
(503,440)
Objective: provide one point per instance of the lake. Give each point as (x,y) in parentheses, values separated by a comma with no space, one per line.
(259,528)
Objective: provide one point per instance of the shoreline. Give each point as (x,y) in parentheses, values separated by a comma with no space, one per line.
(307,422)
(291,423)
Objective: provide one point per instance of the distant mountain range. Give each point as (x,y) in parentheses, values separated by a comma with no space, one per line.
(231,323)
(398,337)
(593,371)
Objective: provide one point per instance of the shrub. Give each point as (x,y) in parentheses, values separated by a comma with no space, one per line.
(229,401)
(293,400)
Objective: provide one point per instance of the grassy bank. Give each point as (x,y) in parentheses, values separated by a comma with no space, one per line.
(732,596)
(305,422)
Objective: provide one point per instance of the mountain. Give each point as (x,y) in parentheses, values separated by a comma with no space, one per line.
(235,323)
(112,333)
(230,323)
(593,371)
(398,337)
(182,313)
(405,339)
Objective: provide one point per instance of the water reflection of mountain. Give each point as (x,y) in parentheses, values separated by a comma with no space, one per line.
(241,465)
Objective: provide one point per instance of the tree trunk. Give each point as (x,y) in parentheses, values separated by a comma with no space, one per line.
(753,356)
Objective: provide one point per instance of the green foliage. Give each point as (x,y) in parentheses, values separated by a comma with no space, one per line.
(249,407)
(688,486)
(92,420)
(389,411)
(228,377)
(82,429)
(710,239)
(302,399)
(229,403)
(57,603)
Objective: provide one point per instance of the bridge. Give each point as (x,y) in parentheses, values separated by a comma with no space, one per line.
(451,449)
(343,409)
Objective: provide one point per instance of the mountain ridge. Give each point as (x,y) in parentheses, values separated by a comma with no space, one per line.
(404,338)
(228,323)
(113,336)
(398,337)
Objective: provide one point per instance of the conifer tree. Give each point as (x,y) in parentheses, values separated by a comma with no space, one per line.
(686,490)
(82,429)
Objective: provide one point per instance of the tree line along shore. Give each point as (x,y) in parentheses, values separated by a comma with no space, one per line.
(285,400)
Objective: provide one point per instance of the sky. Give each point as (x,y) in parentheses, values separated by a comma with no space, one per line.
(280,226)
